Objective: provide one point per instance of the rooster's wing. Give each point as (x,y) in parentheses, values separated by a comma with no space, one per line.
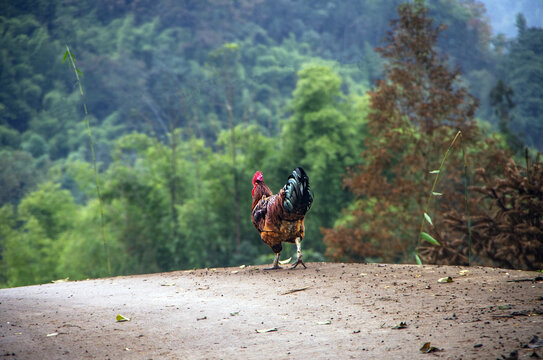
(259,213)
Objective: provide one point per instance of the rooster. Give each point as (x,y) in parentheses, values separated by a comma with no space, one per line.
(280,218)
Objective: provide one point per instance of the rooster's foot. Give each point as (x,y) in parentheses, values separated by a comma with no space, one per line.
(298,261)
(275,267)
(275,264)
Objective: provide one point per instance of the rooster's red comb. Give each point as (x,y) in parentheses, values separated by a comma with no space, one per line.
(258,177)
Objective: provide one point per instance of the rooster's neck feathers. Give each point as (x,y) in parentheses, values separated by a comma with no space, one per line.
(260,189)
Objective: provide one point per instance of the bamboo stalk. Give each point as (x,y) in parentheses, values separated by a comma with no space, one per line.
(68,54)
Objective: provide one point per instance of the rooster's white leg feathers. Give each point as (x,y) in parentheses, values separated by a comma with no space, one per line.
(299,254)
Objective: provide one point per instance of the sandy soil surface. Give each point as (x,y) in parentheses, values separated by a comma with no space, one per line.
(327,311)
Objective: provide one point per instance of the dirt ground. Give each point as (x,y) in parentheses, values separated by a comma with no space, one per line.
(326,311)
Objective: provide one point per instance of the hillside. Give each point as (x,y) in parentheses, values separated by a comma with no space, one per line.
(330,310)
(135,153)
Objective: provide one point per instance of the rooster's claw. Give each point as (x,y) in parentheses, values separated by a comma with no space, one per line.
(299,261)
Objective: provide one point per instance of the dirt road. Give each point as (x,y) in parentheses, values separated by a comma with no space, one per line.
(326,311)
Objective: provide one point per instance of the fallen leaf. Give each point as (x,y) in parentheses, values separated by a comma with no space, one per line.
(52,334)
(447,279)
(295,290)
(60,280)
(327,322)
(234,313)
(121,318)
(401,325)
(283,262)
(266,330)
(505,307)
(427,348)
(168,284)
(242,266)
(235,272)
(363,274)
(463,272)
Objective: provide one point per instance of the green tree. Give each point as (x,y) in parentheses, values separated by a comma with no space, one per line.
(27,69)
(324,134)
(254,151)
(225,63)
(501,99)
(522,71)
(521,25)
(466,32)
(9,138)
(82,254)
(136,188)
(31,234)
(60,124)
(19,174)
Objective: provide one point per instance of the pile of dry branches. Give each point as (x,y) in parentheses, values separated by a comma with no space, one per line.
(506,221)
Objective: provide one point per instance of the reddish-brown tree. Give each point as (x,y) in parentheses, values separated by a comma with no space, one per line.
(417,109)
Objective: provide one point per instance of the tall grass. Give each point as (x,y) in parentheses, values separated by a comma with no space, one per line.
(78,74)
(426,217)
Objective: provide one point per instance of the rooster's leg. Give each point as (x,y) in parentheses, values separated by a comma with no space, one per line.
(299,253)
(275,264)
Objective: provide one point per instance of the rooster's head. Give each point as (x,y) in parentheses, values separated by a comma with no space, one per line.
(257,177)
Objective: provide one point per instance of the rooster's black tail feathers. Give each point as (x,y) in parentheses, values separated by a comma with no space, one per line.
(298,195)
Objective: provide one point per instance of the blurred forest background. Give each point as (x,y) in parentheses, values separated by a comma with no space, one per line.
(187,99)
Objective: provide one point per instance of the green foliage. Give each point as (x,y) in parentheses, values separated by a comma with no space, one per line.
(31,236)
(466,34)
(522,71)
(324,136)
(185,104)
(9,138)
(27,68)
(19,174)
(501,99)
